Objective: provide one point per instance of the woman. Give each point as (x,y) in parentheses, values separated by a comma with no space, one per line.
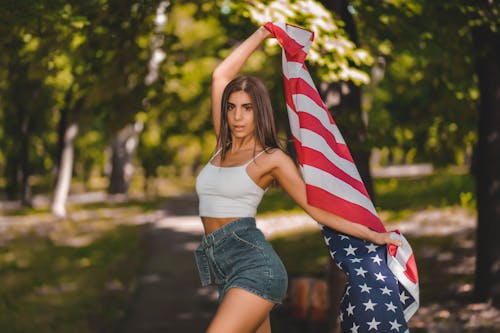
(250,276)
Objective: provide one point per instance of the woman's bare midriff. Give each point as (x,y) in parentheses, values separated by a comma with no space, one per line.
(212,224)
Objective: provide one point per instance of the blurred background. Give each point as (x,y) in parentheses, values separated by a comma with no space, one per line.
(105,123)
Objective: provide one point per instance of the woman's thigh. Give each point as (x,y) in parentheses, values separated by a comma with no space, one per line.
(240,312)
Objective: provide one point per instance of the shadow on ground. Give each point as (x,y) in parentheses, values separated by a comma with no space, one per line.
(169,296)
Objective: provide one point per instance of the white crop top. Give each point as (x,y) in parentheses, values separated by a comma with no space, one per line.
(227,191)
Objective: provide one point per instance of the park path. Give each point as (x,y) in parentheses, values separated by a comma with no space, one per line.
(169,296)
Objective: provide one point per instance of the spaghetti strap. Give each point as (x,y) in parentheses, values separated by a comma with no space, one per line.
(216,153)
(253,159)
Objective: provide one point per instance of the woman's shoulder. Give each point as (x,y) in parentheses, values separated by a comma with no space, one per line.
(276,155)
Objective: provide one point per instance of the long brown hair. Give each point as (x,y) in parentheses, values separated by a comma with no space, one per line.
(265,128)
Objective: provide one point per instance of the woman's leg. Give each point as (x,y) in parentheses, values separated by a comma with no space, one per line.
(241,312)
(265,327)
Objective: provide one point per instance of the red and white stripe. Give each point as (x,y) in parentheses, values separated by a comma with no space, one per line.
(332,180)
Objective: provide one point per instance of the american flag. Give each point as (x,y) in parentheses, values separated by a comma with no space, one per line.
(382,291)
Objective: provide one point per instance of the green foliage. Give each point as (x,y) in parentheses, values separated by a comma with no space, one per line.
(429,91)
(332,51)
(47,287)
(79,59)
(89,59)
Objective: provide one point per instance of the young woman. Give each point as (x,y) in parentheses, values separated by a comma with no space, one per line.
(250,277)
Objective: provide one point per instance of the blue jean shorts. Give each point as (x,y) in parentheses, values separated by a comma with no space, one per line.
(238,256)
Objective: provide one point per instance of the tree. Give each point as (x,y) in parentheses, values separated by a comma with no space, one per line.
(26,99)
(420,111)
(108,66)
(484,22)
(443,67)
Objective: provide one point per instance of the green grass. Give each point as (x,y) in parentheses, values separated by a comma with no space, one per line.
(438,190)
(50,288)
(398,197)
(303,253)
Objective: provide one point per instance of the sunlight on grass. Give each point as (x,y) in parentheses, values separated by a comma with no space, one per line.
(396,198)
(47,287)
(438,190)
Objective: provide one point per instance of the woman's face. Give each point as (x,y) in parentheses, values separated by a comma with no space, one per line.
(240,114)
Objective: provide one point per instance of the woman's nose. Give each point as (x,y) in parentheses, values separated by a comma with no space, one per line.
(237,114)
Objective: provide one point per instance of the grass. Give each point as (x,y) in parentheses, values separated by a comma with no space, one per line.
(444,188)
(51,288)
(398,197)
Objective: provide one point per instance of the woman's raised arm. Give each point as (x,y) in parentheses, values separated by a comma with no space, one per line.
(289,178)
(229,68)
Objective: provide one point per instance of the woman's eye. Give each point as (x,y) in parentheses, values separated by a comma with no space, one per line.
(248,108)
(230,107)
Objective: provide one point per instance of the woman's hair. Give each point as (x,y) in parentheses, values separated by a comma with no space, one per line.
(265,129)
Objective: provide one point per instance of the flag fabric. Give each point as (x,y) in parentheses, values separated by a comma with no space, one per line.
(382,291)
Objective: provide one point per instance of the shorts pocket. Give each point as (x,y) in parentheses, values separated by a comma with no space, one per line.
(248,239)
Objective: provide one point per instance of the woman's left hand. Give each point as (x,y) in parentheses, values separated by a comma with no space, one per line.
(383,238)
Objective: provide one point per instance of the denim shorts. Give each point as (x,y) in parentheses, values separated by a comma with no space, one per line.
(238,255)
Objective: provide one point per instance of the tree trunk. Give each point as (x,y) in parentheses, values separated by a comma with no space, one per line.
(61,130)
(25,163)
(123,150)
(65,171)
(487,166)
(12,129)
(67,157)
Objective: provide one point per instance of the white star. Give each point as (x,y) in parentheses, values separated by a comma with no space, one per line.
(377,260)
(379,276)
(364,287)
(371,248)
(341,317)
(354,328)
(350,310)
(350,250)
(327,240)
(391,307)
(373,324)
(356,260)
(403,297)
(395,325)
(360,271)
(333,254)
(347,290)
(340,267)
(342,237)
(369,305)
(386,290)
